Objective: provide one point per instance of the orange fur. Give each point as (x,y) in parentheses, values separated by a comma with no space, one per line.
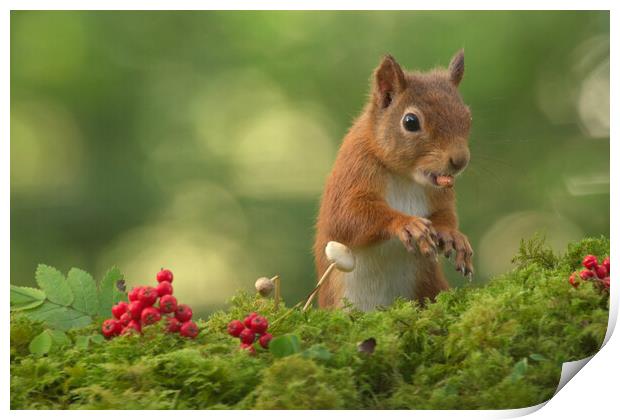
(354,209)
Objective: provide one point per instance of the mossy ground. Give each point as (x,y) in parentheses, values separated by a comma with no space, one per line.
(497,346)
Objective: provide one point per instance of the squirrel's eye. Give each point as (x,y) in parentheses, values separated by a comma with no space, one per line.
(411,122)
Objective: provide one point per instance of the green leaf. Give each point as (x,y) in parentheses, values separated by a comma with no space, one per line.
(285,345)
(26,298)
(538,357)
(84,291)
(109,295)
(519,369)
(54,285)
(96,338)
(59,317)
(41,344)
(81,342)
(59,339)
(317,352)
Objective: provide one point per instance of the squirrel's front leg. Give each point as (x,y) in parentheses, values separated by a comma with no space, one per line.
(370,219)
(416,233)
(451,240)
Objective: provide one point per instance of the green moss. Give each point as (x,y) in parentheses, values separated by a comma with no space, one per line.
(497,346)
(298,383)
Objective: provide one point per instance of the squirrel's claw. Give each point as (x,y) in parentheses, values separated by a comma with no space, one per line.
(452,241)
(418,234)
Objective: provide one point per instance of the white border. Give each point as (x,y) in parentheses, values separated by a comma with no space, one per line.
(591,393)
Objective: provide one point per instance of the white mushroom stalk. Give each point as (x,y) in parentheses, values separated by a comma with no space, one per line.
(341,258)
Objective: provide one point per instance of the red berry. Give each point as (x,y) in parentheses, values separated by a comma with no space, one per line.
(125,319)
(264,340)
(119,309)
(573,281)
(165,275)
(183,313)
(173,325)
(247,336)
(133,326)
(133,293)
(150,316)
(601,272)
(164,288)
(167,304)
(248,319)
(586,274)
(189,329)
(147,295)
(235,327)
(111,327)
(589,262)
(259,324)
(135,309)
(249,347)
(606,264)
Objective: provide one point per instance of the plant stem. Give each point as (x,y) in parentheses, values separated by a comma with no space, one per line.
(276,282)
(318,285)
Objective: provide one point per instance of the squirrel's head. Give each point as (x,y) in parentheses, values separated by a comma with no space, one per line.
(420,122)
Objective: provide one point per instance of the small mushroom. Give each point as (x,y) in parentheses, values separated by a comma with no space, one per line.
(340,255)
(264,286)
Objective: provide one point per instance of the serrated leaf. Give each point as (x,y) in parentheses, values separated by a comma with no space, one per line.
(109,294)
(41,344)
(84,291)
(23,298)
(59,339)
(54,284)
(81,342)
(285,345)
(27,306)
(59,317)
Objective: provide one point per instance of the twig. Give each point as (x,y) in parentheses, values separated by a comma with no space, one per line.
(276,281)
(318,285)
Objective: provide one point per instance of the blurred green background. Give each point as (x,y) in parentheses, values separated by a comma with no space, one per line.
(200,141)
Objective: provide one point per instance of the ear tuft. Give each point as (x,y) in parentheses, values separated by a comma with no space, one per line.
(457,67)
(389,80)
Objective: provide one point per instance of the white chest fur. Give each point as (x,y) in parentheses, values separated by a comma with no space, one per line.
(386,270)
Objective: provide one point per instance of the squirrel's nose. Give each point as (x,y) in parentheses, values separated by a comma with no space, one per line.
(458,162)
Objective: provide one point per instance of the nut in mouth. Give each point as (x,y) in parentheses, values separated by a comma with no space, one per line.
(440,180)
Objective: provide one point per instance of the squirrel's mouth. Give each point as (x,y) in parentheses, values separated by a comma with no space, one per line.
(440,180)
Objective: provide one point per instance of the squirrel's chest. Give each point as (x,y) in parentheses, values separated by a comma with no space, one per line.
(385,271)
(406,196)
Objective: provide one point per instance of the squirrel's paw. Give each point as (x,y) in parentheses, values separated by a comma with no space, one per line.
(418,233)
(450,241)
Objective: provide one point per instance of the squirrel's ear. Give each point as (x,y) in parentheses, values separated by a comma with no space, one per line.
(457,67)
(388,81)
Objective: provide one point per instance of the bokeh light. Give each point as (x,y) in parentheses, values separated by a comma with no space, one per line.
(201,141)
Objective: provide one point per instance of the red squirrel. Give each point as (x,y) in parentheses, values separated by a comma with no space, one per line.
(390,195)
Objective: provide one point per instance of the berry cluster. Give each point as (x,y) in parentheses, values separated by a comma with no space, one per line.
(141,310)
(252,328)
(593,271)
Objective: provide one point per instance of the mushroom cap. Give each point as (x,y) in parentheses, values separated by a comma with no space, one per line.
(340,255)
(264,286)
